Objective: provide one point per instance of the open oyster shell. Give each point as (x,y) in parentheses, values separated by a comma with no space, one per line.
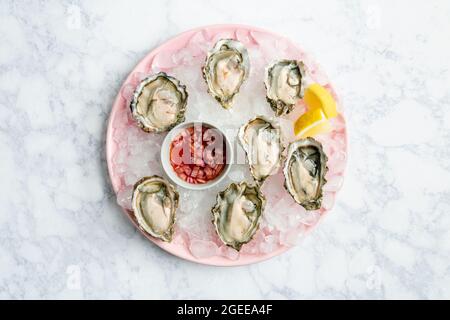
(154,204)
(285,82)
(237,213)
(261,140)
(304,172)
(227,66)
(159,103)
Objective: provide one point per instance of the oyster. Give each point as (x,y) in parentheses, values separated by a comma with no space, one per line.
(154,203)
(284,81)
(237,213)
(261,140)
(227,66)
(159,103)
(304,172)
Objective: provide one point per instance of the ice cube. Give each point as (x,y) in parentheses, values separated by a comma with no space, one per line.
(120,156)
(179,236)
(244,36)
(318,76)
(263,39)
(229,252)
(198,44)
(138,166)
(186,201)
(273,188)
(195,213)
(237,175)
(120,168)
(287,130)
(203,249)
(252,247)
(328,200)
(338,123)
(130,178)
(282,47)
(183,57)
(334,183)
(295,215)
(337,161)
(223,35)
(163,60)
(292,237)
(309,218)
(269,244)
(124,197)
(135,149)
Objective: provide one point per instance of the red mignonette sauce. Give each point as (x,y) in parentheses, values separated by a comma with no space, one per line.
(198,154)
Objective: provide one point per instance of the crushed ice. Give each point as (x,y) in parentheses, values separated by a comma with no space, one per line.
(284,222)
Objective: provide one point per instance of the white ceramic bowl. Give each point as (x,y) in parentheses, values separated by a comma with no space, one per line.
(165,157)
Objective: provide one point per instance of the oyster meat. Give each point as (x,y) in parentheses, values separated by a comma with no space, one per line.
(284,81)
(304,172)
(159,103)
(237,213)
(226,68)
(261,140)
(154,203)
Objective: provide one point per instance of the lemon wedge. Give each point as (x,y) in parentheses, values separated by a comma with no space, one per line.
(317,97)
(312,123)
(321,107)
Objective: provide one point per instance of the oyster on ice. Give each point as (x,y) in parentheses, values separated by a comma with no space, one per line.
(285,82)
(154,204)
(159,103)
(226,68)
(261,140)
(304,172)
(237,213)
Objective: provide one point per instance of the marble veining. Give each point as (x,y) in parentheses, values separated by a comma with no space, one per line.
(62,235)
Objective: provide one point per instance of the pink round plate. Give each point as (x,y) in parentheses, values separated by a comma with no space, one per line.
(189,50)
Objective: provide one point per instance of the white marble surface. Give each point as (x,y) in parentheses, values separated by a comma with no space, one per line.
(62,234)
